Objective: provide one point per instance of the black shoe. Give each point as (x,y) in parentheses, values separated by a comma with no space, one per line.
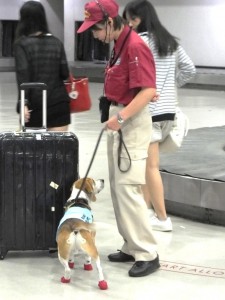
(120,257)
(143,268)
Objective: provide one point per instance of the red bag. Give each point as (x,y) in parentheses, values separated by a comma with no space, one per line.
(78,91)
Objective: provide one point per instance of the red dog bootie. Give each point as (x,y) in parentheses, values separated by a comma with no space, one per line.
(71,265)
(103,285)
(64,280)
(88,267)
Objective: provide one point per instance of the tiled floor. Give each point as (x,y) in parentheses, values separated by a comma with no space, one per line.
(192,256)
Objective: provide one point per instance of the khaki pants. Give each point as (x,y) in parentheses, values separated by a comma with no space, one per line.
(130,208)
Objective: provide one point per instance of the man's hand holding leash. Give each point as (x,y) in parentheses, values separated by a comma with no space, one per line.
(131,109)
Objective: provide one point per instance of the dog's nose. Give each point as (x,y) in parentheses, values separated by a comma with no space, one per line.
(102,181)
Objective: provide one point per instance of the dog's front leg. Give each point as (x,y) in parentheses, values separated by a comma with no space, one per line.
(71,262)
(87,264)
(73,252)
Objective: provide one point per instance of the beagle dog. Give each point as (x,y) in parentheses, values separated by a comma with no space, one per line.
(76,230)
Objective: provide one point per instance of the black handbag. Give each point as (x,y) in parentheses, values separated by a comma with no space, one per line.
(104,105)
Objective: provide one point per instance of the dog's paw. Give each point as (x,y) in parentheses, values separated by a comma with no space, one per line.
(103,285)
(64,280)
(88,267)
(71,265)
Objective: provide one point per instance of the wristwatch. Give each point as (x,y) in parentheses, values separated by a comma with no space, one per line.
(120,119)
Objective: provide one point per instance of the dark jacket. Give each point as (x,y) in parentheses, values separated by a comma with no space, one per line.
(42,59)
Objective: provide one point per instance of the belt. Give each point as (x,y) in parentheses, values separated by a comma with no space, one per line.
(114,103)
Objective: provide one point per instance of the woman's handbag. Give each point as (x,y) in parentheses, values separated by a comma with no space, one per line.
(78,91)
(179,130)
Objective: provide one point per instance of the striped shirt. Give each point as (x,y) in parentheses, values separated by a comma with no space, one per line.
(170,74)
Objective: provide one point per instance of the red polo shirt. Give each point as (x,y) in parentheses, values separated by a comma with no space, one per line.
(133,70)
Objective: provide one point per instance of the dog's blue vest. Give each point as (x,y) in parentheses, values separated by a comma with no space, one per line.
(77,212)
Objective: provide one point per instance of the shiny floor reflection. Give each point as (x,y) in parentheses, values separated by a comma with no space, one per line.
(192,255)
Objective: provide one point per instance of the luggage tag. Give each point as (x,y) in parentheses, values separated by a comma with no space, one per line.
(73,94)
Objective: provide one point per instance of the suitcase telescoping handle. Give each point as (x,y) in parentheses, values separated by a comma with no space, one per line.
(34,85)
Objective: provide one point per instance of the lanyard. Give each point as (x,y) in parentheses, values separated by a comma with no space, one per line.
(114,57)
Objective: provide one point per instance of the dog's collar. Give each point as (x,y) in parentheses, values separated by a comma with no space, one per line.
(81,202)
(74,201)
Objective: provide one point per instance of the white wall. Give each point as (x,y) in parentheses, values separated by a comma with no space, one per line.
(198,23)
(9,10)
(73,11)
(200,26)
(54,12)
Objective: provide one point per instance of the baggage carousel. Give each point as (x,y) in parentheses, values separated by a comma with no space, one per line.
(194,176)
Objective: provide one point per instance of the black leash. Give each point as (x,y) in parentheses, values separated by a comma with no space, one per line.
(91,162)
(121,143)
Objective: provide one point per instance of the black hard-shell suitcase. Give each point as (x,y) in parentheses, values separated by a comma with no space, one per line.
(37,170)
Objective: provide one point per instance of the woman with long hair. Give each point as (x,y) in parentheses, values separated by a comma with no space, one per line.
(40,57)
(173,69)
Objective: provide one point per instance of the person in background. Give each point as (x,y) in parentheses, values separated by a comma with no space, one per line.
(173,69)
(129,86)
(40,57)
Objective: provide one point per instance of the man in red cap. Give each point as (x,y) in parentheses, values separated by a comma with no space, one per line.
(129,86)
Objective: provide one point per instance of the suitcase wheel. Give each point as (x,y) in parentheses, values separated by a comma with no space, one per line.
(3,254)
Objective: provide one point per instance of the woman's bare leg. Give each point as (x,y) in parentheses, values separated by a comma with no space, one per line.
(62,128)
(153,189)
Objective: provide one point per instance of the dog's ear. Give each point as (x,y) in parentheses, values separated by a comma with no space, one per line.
(88,187)
(78,183)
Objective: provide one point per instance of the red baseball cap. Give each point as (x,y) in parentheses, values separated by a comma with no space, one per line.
(96,11)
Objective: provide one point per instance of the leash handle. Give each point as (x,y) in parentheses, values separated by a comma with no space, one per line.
(121,143)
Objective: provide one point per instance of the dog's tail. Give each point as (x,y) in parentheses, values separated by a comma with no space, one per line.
(80,225)
(71,227)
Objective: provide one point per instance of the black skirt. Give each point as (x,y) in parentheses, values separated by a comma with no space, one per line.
(57,116)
